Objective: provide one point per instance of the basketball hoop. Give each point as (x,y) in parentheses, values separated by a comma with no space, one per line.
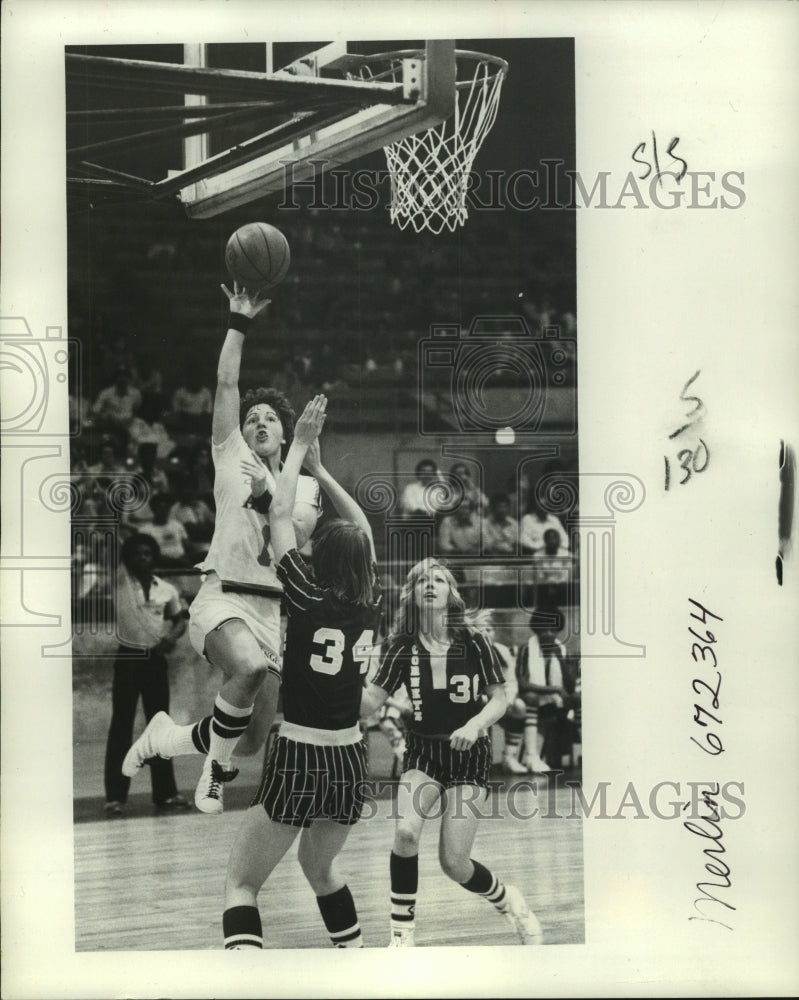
(430,170)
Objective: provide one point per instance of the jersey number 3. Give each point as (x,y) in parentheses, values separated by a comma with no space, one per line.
(464,690)
(333,640)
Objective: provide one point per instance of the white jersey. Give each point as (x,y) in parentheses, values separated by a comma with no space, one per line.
(143,620)
(240,552)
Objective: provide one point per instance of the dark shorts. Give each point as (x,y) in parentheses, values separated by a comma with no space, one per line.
(303,782)
(448,767)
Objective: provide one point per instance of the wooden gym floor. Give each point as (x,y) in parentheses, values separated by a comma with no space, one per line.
(149,882)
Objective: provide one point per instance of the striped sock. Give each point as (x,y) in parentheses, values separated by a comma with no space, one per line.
(486,884)
(513,742)
(193,738)
(241,926)
(200,734)
(531,732)
(228,723)
(404,884)
(341,920)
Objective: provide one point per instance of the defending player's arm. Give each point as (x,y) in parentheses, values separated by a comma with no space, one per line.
(243,309)
(345,506)
(306,431)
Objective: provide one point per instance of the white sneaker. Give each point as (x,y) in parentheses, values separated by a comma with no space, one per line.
(535,765)
(402,938)
(210,788)
(151,743)
(521,917)
(513,765)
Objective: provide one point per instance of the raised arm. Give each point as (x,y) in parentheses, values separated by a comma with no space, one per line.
(306,431)
(243,309)
(345,506)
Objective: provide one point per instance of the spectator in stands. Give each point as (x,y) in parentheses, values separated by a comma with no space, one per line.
(86,507)
(539,672)
(500,541)
(150,619)
(192,406)
(116,405)
(155,481)
(553,563)
(78,463)
(512,723)
(143,432)
(151,386)
(471,491)
(196,517)
(419,499)
(170,534)
(500,530)
(535,522)
(108,469)
(80,413)
(459,532)
(200,470)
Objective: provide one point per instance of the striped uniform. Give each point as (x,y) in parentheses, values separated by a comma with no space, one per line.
(445,696)
(317,765)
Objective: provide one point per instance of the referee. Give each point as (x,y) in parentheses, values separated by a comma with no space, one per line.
(150,619)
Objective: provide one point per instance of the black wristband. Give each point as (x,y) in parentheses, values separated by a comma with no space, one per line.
(240,322)
(261,503)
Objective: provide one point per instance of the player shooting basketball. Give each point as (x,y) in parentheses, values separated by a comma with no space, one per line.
(235,617)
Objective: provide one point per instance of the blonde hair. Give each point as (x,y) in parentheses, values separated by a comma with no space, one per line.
(407,619)
(480,618)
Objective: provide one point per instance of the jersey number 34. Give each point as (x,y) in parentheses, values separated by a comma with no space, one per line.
(334,640)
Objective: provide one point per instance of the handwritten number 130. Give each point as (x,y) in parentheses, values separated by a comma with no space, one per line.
(691,461)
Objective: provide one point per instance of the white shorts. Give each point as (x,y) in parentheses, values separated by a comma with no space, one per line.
(213,607)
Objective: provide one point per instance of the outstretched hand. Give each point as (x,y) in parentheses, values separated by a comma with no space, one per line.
(310,423)
(313,458)
(244,302)
(256,473)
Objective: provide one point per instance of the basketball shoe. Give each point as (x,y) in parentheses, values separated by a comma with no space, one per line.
(535,765)
(513,765)
(521,917)
(209,796)
(402,938)
(153,742)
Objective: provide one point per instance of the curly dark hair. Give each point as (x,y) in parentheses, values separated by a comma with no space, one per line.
(132,542)
(279,403)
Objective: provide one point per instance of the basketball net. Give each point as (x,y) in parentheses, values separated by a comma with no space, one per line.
(430,170)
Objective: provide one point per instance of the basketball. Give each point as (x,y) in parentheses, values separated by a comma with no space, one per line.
(257,256)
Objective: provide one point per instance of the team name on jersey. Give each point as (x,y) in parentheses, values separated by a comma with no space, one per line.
(416,694)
